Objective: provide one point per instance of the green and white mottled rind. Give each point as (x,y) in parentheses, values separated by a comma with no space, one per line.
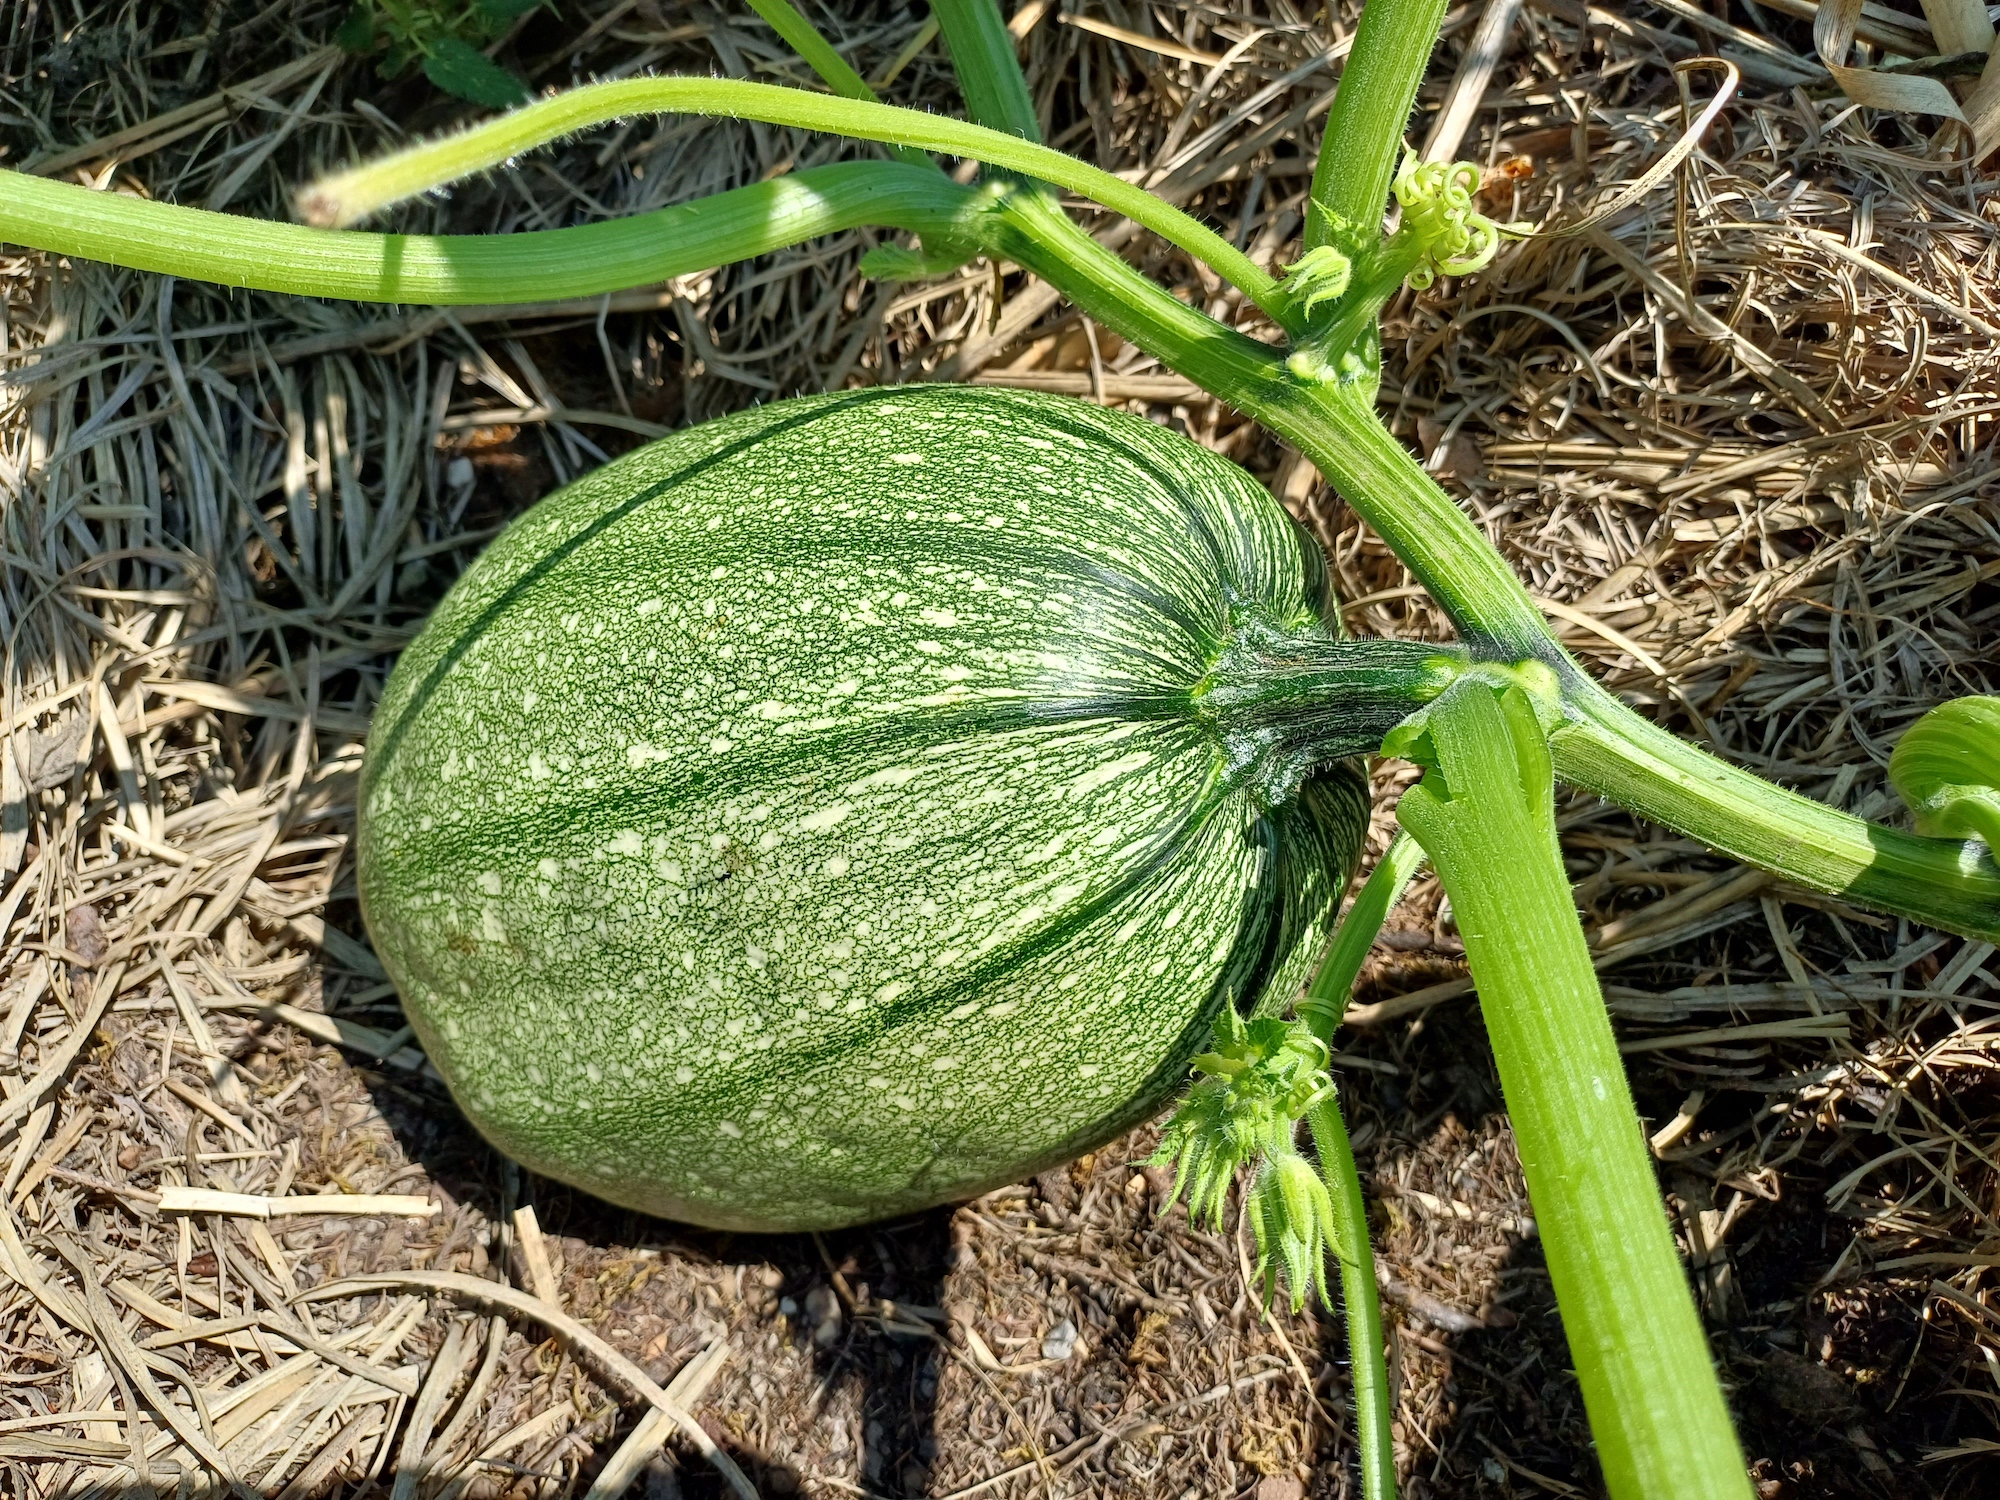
(806,819)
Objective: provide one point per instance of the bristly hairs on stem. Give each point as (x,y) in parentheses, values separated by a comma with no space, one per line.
(346,197)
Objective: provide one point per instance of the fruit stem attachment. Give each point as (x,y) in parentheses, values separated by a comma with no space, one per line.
(1485,813)
(1285,701)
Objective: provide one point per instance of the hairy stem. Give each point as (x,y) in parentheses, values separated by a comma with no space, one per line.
(1326,998)
(1611,750)
(352,195)
(1374,1402)
(1485,813)
(1605,745)
(1363,141)
(453,270)
(804,38)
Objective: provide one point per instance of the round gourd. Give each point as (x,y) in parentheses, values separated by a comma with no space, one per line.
(855,803)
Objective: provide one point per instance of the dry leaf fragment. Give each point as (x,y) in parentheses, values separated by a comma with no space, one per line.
(48,756)
(87,938)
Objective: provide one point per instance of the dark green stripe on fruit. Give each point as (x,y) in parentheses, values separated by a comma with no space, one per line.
(852,803)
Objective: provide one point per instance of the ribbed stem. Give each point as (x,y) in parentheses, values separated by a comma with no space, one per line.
(1301,698)
(1485,814)
(458,269)
(1605,746)
(1374,1402)
(1364,131)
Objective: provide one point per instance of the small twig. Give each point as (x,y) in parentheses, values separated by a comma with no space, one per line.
(186,1200)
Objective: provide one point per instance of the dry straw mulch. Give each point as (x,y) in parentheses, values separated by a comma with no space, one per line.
(1739,439)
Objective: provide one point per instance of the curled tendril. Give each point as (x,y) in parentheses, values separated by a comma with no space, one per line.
(1244,1109)
(1439,212)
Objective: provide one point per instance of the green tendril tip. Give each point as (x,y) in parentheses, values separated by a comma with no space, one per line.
(1439,213)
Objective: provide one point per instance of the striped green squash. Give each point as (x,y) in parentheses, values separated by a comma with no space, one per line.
(855,803)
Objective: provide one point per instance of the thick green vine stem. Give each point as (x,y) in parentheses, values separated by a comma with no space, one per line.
(1364,130)
(1947,768)
(444,270)
(347,197)
(1485,813)
(1603,745)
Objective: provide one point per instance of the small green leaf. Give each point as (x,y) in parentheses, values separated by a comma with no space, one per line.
(892,263)
(498,15)
(889,262)
(1320,275)
(356,32)
(398,58)
(1947,768)
(460,68)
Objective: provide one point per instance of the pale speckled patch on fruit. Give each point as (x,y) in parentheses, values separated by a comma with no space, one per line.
(804,820)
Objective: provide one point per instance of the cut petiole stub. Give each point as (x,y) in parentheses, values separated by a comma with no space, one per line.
(1485,814)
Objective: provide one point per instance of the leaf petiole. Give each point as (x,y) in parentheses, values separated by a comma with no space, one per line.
(1485,813)
(347,197)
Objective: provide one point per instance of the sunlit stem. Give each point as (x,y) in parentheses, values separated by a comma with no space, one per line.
(1374,1402)
(455,270)
(1604,745)
(1332,984)
(349,196)
(1325,999)
(1363,141)
(1485,813)
(1609,749)
(804,38)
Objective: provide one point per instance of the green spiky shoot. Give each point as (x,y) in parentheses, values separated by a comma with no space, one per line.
(1244,1110)
(1291,1214)
(1322,274)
